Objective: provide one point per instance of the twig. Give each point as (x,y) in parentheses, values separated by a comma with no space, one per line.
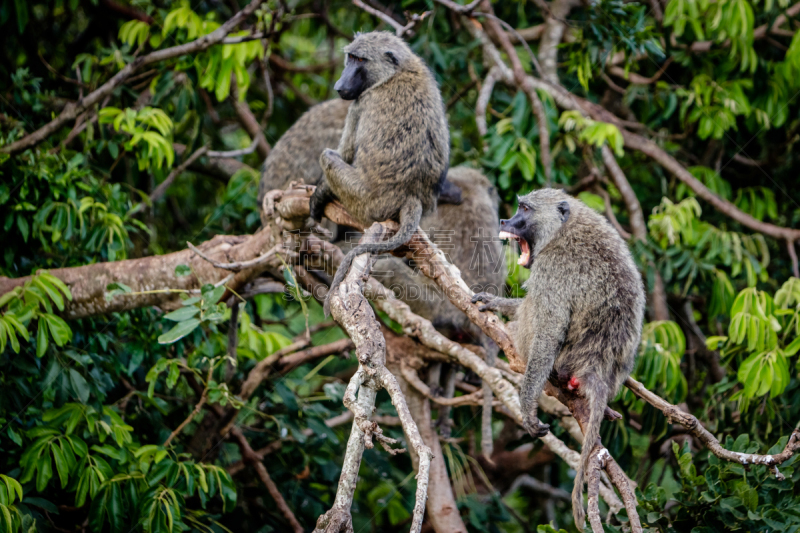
(236,153)
(243,39)
(526,480)
(464,10)
(203,399)
(248,120)
(410,375)
(159,191)
(399,29)
(482,104)
(674,414)
(238,265)
(793,257)
(520,77)
(73,110)
(251,457)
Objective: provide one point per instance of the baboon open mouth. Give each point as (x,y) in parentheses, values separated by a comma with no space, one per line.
(525,248)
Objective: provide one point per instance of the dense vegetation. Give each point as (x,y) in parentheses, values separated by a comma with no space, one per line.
(89,407)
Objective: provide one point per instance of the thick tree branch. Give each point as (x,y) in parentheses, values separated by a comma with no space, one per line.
(71,111)
(152,279)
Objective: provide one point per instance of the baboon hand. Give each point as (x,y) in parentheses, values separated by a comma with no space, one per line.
(316,206)
(328,158)
(489,300)
(535,427)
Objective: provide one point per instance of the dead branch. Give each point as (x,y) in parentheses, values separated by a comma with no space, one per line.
(690,422)
(251,457)
(410,375)
(482,104)
(221,168)
(203,399)
(248,120)
(159,191)
(236,153)
(442,508)
(72,110)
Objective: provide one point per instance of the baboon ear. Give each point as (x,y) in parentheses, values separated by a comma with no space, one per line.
(563,210)
(391,57)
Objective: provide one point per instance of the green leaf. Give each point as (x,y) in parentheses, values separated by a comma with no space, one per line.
(180,330)
(41,340)
(184,313)
(182,270)
(79,385)
(59,330)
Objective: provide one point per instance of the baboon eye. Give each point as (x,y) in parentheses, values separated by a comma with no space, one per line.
(525,208)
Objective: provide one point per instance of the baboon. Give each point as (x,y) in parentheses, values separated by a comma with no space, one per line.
(581,320)
(296,154)
(394,152)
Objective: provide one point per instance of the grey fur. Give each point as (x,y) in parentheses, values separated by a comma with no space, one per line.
(296,154)
(582,315)
(395,148)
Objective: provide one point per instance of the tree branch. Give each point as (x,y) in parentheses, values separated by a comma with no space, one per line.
(690,422)
(249,455)
(73,110)
(159,191)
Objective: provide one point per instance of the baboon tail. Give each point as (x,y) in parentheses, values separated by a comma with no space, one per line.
(410,215)
(596,393)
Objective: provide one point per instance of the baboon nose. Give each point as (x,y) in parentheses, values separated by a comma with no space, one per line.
(503,222)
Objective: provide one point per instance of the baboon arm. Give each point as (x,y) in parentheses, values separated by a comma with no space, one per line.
(343,179)
(488,302)
(347,144)
(543,326)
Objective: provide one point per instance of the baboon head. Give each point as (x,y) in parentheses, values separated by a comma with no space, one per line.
(538,218)
(371,59)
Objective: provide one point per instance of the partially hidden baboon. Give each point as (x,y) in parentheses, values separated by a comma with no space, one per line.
(295,156)
(394,152)
(581,320)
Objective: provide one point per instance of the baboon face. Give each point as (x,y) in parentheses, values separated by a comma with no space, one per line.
(371,59)
(539,216)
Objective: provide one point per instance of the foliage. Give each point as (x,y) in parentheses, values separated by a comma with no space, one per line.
(87,405)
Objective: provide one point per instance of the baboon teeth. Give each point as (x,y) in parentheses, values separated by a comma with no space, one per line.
(506,235)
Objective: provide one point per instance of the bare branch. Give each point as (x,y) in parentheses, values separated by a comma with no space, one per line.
(159,191)
(195,411)
(153,280)
(249,120)
(73,110)
(251,457)
(399,29)
(238,266)
(674,414)
(484,96)
(596,462)
(236,153)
